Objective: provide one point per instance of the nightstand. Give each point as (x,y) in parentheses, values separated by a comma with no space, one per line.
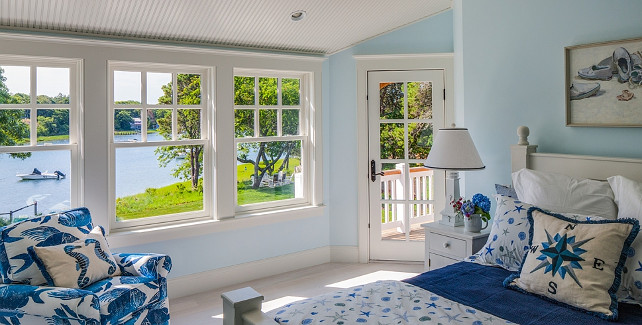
(446,245)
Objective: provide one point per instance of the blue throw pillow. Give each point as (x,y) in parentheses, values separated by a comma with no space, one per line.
(506,191)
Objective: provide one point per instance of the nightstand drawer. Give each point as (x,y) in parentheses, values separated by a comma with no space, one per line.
(447,245)
(438,261)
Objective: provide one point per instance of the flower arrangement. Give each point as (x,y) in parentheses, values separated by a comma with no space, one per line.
(480,204)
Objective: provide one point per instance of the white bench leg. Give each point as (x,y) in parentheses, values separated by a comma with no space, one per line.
(243,301)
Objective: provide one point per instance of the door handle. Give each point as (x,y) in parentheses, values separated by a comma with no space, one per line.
(373,175)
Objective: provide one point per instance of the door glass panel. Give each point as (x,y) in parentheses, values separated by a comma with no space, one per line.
(391,140)
(420,100)
(392,221)
(420,180)
(391,98)
(392,181)
(420,139)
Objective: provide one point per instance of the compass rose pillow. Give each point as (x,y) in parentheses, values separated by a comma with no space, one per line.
(76,264)
(576,263)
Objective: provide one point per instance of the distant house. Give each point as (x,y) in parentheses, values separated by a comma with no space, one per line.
(136,124)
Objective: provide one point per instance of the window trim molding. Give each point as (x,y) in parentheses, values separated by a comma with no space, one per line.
(367,63)
(207,115)
(76,117)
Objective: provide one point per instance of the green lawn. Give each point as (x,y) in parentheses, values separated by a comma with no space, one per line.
(175,198)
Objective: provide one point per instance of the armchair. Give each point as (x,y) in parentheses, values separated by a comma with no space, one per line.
(138,295)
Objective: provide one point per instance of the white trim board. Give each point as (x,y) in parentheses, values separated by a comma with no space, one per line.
(228,276)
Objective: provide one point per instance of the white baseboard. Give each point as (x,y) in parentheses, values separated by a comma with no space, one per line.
(231,275)
(344,254)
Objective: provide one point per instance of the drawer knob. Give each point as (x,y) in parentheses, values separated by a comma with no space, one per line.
(446,245)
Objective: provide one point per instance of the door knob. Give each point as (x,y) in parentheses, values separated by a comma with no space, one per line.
(373,175)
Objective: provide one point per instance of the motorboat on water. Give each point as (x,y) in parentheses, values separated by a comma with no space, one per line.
(36,174)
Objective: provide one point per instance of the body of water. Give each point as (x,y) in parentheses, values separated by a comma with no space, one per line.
(136,170)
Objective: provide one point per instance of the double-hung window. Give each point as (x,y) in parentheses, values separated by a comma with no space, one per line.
(271,125)
(160,149)
(39,136)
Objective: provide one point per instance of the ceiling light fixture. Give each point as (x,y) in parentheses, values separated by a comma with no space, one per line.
(297,15)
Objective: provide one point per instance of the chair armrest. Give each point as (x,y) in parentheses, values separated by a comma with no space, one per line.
(61,303)
(147,265)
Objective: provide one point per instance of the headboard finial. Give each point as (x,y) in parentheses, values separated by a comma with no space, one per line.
(523,133)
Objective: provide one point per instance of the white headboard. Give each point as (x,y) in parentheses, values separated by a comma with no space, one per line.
(525,155)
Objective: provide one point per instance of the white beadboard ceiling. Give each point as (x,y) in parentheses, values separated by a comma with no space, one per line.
(329,25)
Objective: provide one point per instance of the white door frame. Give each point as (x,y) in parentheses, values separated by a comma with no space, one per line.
(367,63)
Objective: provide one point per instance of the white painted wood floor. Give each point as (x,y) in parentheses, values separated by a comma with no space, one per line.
(278,290)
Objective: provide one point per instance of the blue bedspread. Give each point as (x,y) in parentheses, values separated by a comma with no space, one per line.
(480,287)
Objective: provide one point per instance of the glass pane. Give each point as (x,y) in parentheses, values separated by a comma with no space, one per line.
(419,140)
(290,121)
(189,123)
(158,181)
(52,85)
(267,122)
(391,100)
(291,89)
(127,87)
(420,182)
(53,126)
(420,100)
(27,178)
(392,181)
(391,139)
(244,123)
(189,89)
(17,85)
(159,124)
(392,216)
(127,124)
(280,177)
(243,90)
(14,127)
(267,91)
(159,88)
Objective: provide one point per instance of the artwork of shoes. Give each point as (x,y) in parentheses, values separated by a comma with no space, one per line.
(596,72)
(625,96)
(622,60)
(583,90)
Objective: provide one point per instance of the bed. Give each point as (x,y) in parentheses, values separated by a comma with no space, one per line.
(473,293)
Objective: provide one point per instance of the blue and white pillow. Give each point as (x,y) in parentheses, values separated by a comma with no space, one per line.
(77,264)
(507,242)
(506,191)
(576,263)
(16,265)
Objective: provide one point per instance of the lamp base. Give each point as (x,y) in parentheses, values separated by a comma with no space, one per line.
(451,219)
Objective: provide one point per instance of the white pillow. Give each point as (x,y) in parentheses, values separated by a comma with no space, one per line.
(76,264)
(628,196)
(565,194)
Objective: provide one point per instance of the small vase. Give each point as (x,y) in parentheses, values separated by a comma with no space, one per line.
(474,223)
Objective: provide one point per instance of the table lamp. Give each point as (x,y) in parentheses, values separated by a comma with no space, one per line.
(453,150)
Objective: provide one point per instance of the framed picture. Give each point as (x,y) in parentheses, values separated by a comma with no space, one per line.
(604,84)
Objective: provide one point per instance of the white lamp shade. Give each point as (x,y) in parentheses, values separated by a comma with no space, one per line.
(454,149)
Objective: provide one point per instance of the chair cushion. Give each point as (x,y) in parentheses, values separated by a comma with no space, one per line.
(122,296)
(77,264)
(16,266)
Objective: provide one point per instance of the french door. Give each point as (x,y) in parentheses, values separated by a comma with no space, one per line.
(404,109)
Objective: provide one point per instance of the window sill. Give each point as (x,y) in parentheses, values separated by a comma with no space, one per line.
(153,234)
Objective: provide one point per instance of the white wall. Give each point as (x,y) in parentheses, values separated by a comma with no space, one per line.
(203,250)
(432,35)
(513,74)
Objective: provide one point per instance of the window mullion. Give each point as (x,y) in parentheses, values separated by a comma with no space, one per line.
(33,112)
(143,110)
(174,109)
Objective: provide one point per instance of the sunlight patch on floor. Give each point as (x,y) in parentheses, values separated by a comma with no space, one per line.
(371,277)
(276,303)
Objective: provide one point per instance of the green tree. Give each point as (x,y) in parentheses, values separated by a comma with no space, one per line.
(189,127)
(12,128)
(267,154)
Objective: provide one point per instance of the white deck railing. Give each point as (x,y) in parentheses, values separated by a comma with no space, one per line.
(393,188)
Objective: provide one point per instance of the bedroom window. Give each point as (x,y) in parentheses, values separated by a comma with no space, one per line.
(160,143)
(271,139)
(39,135)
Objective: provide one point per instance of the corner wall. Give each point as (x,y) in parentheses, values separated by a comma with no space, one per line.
(514,74)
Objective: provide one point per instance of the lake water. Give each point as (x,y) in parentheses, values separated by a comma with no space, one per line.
(136,170)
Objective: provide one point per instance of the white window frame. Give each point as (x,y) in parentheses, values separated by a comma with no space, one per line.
(75,107)
(305,127)
(206,123)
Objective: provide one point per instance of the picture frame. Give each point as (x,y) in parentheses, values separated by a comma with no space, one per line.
(604,84)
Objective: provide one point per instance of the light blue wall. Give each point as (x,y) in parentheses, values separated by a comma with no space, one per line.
(514,74)
(432,35)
